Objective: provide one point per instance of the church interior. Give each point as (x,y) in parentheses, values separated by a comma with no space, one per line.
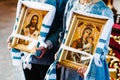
(114,45)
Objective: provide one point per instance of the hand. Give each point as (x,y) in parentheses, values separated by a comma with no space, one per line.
(59,65)
(9,42)
(43,50)
(81,71)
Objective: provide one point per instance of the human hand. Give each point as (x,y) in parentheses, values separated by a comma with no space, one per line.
(81,71)
(9,42)
(59,65)
(42,51)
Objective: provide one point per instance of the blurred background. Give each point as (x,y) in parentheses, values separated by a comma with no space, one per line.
(7,19)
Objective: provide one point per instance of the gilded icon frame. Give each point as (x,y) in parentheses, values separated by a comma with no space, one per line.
(22,41)
(77,27)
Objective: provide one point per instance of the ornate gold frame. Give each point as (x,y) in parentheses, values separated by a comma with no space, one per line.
(114,65)
(76,28)
(26,14)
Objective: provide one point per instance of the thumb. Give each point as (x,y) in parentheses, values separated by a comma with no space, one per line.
(41,55)
(43,51)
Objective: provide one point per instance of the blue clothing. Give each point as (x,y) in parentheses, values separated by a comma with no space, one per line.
(53,35)
(69,74)
(20,56)
(51,38)
(95,71)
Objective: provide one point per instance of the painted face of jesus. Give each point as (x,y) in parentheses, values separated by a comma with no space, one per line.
(34,21)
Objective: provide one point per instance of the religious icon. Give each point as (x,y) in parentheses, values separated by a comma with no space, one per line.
(28,28)
(81,40)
